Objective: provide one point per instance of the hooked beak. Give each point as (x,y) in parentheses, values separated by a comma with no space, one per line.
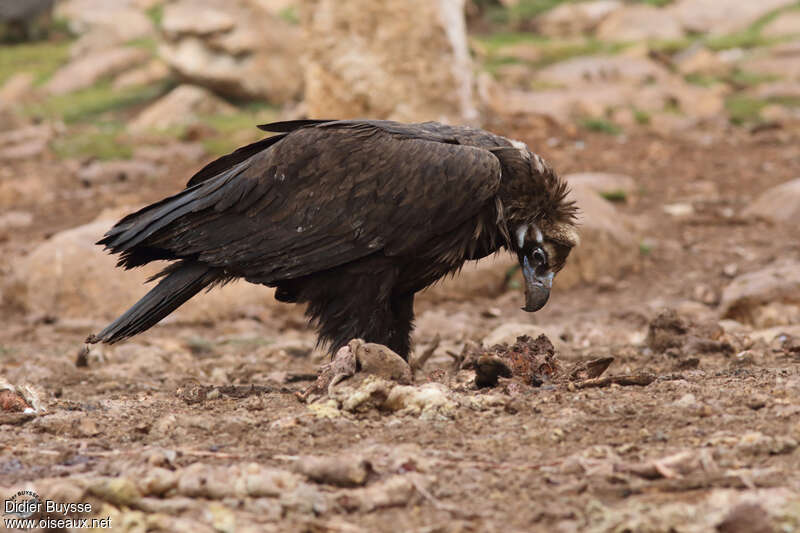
(537,286)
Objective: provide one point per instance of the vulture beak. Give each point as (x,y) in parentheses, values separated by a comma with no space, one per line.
(538,280)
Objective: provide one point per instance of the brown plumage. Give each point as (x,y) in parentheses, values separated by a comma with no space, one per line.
(353,218)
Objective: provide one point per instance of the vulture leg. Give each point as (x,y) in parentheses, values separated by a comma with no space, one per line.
(403,323)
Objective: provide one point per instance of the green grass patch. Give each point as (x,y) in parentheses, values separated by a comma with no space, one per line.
(289,14)
(744,109)
(641,117)
(655,3)
(102,141)
(561,51)
(618,196)
(235,129)
(600,125)
(156,14)
(89,104)
(751,79)
(42,59)
(645,248)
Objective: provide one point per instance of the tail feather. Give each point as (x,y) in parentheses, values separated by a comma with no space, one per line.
(179,283)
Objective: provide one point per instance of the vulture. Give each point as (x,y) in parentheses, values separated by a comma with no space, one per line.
(352,218)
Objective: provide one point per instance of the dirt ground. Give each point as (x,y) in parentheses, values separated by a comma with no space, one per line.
(710,443)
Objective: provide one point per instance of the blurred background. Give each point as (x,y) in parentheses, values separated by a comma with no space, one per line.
(676,124)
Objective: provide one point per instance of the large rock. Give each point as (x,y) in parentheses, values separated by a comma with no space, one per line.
(575,19)
(604,69)
(87,70)
(746,296)
(778,204)
(68,276)
(639,22)
(180,107)
(404,60)
(484,278)
(719,17)
(236,48)
(124,20)
(608,245)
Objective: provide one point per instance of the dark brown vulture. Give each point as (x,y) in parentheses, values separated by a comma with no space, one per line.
(351,217)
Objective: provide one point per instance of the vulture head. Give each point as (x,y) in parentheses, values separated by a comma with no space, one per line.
(542,250)
(541,222)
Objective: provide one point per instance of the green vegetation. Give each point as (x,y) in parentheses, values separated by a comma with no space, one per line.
(641,117)
(91,103)
(233,130)
(156,14)
(102,141)
(615,196)
(600,125)
(645,248)
(289,14)
(744,109)
(41,59)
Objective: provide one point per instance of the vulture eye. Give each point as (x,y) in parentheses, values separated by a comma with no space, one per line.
(539,257)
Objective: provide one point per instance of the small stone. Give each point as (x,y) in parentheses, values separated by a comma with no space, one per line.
(756,402)
(87,427)
(339,470)
(730,270)
(158,481)
(678,210)
(117,491)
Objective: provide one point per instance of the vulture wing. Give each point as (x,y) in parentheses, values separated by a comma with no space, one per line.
(320,196)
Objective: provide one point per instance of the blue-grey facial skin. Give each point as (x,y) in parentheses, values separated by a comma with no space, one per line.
(538,281)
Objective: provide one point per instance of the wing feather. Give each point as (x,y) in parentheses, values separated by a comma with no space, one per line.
(323,196)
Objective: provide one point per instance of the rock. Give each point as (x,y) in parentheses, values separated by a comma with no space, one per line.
(406,61)
(117,491)
(68,276)
(776,283)
(16,88)
(667,330)
(83,16)
(428,401)
(608,246)
(604,69)
(12,220)
(380,361)
(200,480)
(260,481)
(779,204)
(559,105)
(576,19)
(396,491)
(678,210)
(746,518)
(720,17)
(614,187)
(640,22)
(85,71)
(158,481)
(778,61)
(341,470)
(179,108)
(153,72)
(223,45)
(785,24)
(698,59)
(111,171)
(483,278)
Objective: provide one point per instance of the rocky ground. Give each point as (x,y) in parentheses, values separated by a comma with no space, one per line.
(688,277)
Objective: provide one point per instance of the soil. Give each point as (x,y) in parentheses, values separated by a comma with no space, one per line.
(717,429)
